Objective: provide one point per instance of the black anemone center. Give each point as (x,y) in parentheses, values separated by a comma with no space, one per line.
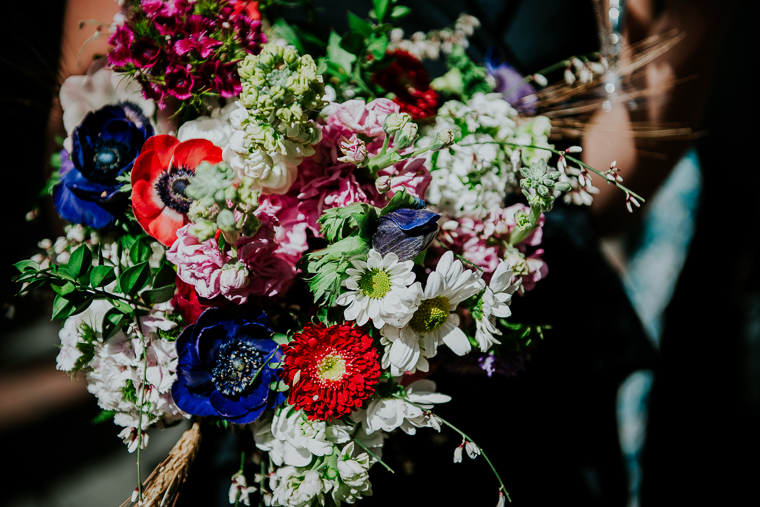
(236,365)
(171,186)
(109,156)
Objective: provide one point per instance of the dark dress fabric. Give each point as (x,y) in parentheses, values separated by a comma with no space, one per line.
(703,441)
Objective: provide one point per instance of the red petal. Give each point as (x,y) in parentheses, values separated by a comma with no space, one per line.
(164,227)
(145,200)
(164,145)
(148,167)
(191,153)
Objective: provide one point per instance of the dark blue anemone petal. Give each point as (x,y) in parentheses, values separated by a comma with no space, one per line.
(78,211)
(405,232)
(411,220)
(260,394)
(226,407)
(189,402)
(249,417)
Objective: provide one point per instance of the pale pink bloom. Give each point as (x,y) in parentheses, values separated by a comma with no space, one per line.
(199,264)
(354,150)
(290,235)
(409,174)
(362,118)
(269,274)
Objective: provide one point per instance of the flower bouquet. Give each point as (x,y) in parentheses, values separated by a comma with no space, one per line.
(287,254)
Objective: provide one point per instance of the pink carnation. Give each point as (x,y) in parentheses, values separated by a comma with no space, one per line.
(367,119)
(409,174)
(258,270)
(198,264)
(268,274)
(291,234)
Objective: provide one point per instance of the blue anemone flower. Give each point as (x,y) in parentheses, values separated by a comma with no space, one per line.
(224,366)
(405,232)
(104,145)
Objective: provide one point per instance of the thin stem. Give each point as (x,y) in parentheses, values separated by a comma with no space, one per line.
(386,142)
(520,235)
(573,159)
(142,402)
(242,464)
(374,456)
(464,436)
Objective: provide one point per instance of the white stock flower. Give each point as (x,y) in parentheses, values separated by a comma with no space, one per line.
(293,439)
(298,487)
(378,289)
(215,130)
(387,414)
(434,321)
(353,472)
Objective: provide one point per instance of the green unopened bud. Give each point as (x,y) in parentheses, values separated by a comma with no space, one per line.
(202,229)
(251,225)
(226,221)
(406,136)
(522,220)
(444,139)
(395,122)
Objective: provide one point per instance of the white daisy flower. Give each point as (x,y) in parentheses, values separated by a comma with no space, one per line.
(434,321)
(495,303)
(379,290)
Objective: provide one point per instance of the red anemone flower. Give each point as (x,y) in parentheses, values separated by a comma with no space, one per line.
(160,176)
(330,370)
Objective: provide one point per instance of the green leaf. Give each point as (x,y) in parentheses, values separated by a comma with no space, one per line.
(400,200)
(62,307)
(357,24)
(377,46)
(278,386)
(140,251)
(353,42)
(65,289)
(329,267)
(113,321)
(121,306)
(400,12)
(381,8)
(337,55)
(134,279)
(284,30)
(80,261)
(27,266)
(337,223)
(165,276)
(32,285)
(103,416)
(160,295)
(102,276)
(309,37)
(280,338)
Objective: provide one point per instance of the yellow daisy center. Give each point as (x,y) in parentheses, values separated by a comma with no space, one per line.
(375,283)
(431,315)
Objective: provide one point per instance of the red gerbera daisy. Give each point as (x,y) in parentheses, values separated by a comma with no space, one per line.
(330,370)
(408,79)
(159,178)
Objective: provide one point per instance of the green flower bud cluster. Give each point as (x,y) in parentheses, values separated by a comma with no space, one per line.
(216,199)
(540,182)
(443,139)
(280,90)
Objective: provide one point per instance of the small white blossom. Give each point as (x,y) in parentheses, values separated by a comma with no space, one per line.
(239,490)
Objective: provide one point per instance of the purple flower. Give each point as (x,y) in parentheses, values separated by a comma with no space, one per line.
(511,83)
(121,39)
(223,367)
(144,53)
(195,30)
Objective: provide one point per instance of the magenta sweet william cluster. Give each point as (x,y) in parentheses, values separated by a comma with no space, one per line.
(184,49)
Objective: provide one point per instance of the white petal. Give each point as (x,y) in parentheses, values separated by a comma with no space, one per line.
(457,342)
